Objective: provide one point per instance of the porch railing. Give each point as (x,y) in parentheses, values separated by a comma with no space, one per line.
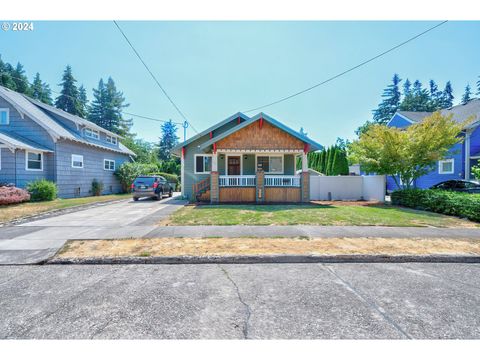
(237,180)
(282,180)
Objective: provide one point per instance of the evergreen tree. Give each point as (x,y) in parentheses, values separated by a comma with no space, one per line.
(435,96)
(466,95)
(418,99)
(340,163)
(106,108)
(83,101)
(478,87)
(6,79)
(407,88)
(20,80)
(331,156)
(447,96)
(68,99)
(390,103)
(40,90)
(168,140)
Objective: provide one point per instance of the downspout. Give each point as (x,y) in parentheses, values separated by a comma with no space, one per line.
(15,164)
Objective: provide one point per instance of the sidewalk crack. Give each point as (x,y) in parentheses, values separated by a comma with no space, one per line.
(248,311)
(369,302)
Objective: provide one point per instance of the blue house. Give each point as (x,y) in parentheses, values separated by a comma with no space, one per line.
(38,141)
(461,157)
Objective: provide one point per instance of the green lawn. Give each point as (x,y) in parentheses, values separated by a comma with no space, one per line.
(311,214)
(12,212)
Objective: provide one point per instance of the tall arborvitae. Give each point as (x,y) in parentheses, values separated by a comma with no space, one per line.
(20,79)
(83,101)
(40,90)
(6,79)
(466,97)
(391,100)
(107,106)
(68,99)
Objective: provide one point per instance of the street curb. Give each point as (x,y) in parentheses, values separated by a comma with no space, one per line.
(266,259)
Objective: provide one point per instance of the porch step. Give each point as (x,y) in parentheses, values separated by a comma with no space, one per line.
(204,197)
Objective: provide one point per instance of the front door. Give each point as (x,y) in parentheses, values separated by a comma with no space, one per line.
(233,165)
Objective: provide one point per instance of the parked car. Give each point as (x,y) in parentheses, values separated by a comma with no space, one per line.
(468,186)
(154,186)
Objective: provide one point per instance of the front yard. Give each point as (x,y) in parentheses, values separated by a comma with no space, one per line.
(18,211)
(311,214)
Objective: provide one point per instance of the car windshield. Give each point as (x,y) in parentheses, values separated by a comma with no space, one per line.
(144,180)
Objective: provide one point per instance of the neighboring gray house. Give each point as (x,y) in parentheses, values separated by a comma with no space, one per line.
(40,141)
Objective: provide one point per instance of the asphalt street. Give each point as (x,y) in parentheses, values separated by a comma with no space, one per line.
(261,301)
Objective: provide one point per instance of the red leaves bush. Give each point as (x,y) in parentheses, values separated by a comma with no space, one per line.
(12,195)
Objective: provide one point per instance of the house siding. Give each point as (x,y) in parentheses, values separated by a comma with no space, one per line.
(7,166)
(69,179)
(24,176)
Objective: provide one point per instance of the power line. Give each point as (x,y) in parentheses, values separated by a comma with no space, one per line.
(348,70)
(150,118)
(154,77)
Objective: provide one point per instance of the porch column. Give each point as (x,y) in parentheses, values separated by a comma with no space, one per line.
(305,179)
(260,186)
(182,174)
(215,162)
(304,162)
(467,154)
(214,190)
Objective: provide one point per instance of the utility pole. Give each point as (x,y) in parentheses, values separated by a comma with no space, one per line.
(185,126)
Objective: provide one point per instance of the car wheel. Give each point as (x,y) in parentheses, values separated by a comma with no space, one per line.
(170,193)
(159,196)
(135,199)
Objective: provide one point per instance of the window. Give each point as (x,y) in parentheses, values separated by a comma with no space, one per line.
(4,116)
(203,164)
(109,165)
(446,166)
(33,161)
(271,164)
(77,161)
(111,139)
(91,133)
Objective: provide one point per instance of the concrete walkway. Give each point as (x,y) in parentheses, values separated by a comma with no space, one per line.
(36,241)
(313,231)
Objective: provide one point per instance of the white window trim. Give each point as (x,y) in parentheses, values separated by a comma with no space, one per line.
(195,164)
(77,167)
(111,139)
(26,160)
(92,136)
(270,155)
(440,166)
(114,165)
(234,155)
(7,110)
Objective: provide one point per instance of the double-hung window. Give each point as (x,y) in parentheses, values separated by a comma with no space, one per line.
(77,161)
(91,133)
(111,139)
(4,116)
(203,164)
(270,164)
(446,166)
(33,161)
(109,165)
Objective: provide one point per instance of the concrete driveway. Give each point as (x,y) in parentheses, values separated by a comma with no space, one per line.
(261,301)
(36,241)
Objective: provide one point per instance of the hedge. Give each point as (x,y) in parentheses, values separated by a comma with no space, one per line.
(440,201)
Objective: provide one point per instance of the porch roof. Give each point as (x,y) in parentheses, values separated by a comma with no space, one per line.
(14,141)
(313,145)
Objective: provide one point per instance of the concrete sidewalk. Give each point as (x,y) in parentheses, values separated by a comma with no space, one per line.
(313,231)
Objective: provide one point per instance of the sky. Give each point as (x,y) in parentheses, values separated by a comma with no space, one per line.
(215,69)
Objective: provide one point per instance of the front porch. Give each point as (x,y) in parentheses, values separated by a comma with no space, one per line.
(257,177)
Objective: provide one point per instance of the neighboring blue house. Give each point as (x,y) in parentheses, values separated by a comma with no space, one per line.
(38,141)
(462,156)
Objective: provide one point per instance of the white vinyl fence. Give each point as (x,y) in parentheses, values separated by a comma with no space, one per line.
(367,187)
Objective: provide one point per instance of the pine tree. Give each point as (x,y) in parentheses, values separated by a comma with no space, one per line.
(6,75)
(168,140)
(40,90)
(418,99)
(68,99)
(83,101)
(407,88)
(466,95)
(447,96)
(20,80)
(390,103)
(478,87)
(435,96)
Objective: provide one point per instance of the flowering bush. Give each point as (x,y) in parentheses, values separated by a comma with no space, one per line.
(12,195)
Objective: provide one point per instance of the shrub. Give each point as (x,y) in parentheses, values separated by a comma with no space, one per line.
(476,171)
(128,171)
(440,201)
(97,187)
(13,195)
(42,190)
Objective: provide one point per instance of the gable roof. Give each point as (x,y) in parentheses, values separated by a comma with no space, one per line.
(313,145)
(37,111)
(178,147)
(460,113)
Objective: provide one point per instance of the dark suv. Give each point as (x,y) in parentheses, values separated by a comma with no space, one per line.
(468,186)
(154,186)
